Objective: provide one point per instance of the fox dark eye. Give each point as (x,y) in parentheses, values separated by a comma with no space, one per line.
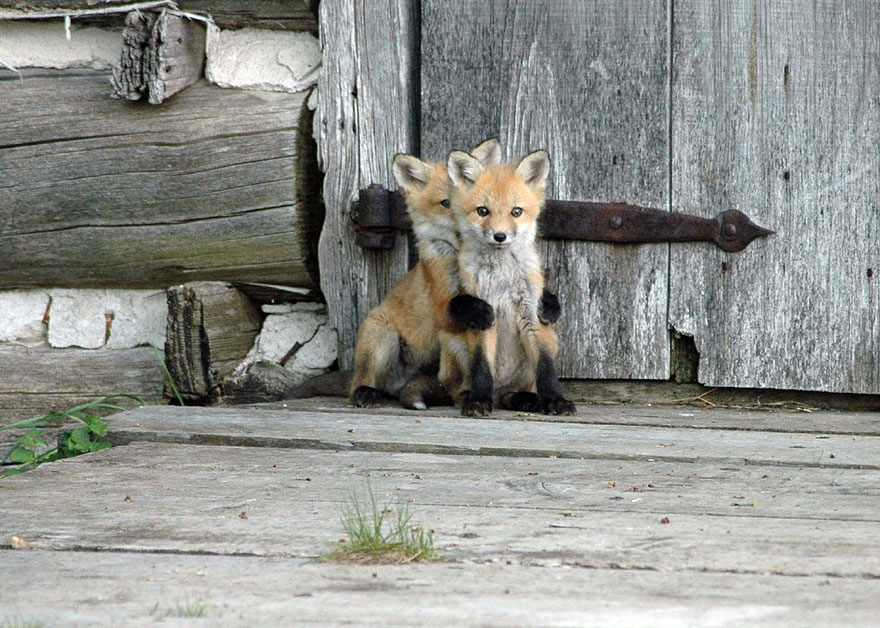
(516,212)
(483,211)
(445,202)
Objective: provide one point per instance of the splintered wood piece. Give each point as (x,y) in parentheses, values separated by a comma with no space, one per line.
(211,327)
(162,54)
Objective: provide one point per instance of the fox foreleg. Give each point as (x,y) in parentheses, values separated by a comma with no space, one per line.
(550,396)
(481,348)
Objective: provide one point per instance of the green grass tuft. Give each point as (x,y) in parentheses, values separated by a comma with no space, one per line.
(187,608)
(381,534)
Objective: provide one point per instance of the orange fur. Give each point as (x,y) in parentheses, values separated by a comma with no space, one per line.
(401,337)
(497,208)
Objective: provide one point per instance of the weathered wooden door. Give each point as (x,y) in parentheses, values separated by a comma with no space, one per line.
(588,82)
(696,106)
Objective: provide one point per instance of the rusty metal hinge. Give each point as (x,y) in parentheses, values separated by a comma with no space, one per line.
(379,213)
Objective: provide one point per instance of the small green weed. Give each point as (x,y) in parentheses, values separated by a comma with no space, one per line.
(187,608)
(381,534)
(32,449)
(168,377)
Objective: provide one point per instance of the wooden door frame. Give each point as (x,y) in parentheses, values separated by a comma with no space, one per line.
(367,105)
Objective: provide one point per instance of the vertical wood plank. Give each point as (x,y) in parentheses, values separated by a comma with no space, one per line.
(588,82)
(364,116)
(776,112)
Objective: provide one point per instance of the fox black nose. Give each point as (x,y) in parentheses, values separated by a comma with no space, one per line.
(500,237)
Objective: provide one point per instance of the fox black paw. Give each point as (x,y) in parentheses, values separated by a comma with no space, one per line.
(471,312)
(367,397)
(476,407)
(549,309)
(557,406)
(523,402)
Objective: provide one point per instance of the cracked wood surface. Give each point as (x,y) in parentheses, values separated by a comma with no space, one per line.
(775,113)
(101,192)
(145,591)
(291,15)
(35,380)
(365,101)
(588,82)
(561,525)
(352,430)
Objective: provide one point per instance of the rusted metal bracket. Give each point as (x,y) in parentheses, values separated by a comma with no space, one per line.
(379,213)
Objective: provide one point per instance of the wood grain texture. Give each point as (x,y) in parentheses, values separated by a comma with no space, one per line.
(34,380)
(686,417)
(529,512)
(776,112)
(587,82)
(162,55)
(284,15)
(353,430)
(60,588)
(295,15)
(365,114)
(529,541)
(211,327)
(98,192)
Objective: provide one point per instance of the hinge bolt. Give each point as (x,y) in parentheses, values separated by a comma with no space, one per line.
(729,231)
(616,222)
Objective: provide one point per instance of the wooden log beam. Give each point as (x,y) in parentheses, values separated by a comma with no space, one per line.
(38,379)
(288,15)
(98,192)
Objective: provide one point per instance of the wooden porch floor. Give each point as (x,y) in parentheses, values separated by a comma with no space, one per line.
(621,516)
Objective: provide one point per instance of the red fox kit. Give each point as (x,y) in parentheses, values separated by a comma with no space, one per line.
(496,208)
(398,346)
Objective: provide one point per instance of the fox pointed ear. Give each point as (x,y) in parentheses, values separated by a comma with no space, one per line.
(464,169)
(411,173)
(534,170)
(489,152)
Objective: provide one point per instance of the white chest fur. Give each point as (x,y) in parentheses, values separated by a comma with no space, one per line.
(501,277)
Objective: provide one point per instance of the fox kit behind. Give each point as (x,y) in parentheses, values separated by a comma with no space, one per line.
(398,345)
(496,208)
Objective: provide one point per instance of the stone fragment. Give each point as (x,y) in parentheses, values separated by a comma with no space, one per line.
(21,315)
(276,61)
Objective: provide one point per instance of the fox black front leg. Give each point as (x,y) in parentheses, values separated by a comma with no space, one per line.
(549,309)
(478,400)
(367,397)
(470,311)
(549,391)
(522,401)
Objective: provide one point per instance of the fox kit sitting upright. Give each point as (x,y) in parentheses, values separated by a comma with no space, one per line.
(496,208)
(398,344)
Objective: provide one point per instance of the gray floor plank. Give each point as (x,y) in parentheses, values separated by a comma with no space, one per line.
(456,435)
(142,590)
(191,498)
(768,420)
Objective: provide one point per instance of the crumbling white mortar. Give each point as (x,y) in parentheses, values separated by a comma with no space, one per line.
(44,44)
(21,316)
(288,326)
(276,61)
(79,318)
